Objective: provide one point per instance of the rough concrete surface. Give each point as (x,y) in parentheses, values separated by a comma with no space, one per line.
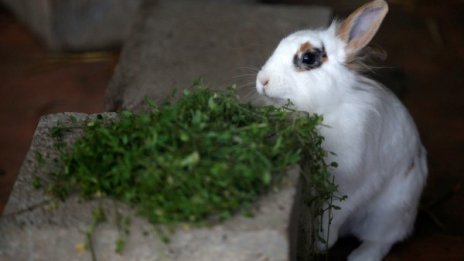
(177,42)
(34,228)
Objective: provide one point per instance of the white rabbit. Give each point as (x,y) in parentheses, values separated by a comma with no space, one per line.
(382,164)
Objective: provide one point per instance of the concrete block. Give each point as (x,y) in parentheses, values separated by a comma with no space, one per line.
(177,42)
(31,229)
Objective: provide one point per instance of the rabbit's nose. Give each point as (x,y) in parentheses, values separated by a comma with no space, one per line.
(263,79)
(264,82)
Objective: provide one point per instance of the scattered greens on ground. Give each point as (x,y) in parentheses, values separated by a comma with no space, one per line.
(123,224)
(98,216)
(204,156)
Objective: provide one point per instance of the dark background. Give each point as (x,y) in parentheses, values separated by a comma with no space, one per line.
(424,40)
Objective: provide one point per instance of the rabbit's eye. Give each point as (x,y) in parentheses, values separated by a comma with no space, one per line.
(310,59)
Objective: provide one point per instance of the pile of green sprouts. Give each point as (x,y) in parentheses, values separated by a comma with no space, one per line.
(205,156)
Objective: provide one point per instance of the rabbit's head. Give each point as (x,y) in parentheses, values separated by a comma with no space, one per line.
(315,68)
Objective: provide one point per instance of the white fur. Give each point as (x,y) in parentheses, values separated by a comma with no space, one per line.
(381,161)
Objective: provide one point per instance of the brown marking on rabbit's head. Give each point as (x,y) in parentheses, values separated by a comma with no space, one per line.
(317,55)
(305,47)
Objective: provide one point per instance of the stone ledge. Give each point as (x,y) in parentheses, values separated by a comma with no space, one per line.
(30,229)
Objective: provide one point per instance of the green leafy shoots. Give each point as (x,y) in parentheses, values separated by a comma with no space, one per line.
(201,158)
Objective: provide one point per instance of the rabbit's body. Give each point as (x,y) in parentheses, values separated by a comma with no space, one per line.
(381,162)
(382,168)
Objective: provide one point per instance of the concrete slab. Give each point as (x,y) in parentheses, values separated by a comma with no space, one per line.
(177,42)
(34,228)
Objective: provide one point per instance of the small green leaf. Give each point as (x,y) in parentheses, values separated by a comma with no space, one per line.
(120,245)
(98,215)
(174,92)
(57,132)
(37,182)
(277,145)
(198,82)
(184,136)
(126,114)
(267,178)
(39,158)
(73,119)
(151,103)
(211,104)
(191,159)
(124,139)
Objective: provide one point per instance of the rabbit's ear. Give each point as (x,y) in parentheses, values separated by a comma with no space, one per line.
(358,29)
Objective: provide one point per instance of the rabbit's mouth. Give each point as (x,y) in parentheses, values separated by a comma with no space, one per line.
(263,91)
(276,100)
